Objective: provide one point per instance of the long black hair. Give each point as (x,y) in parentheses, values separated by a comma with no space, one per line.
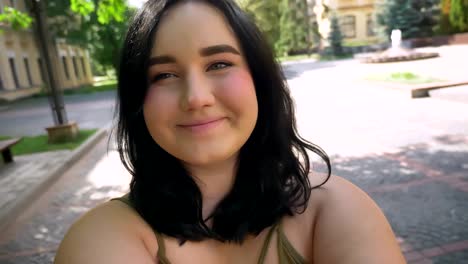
(273,166)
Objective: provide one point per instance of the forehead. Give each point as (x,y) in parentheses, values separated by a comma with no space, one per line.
(189,26)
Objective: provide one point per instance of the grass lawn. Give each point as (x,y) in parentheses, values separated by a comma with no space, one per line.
(402,77)
(104,85)
(39,143)
(297,57)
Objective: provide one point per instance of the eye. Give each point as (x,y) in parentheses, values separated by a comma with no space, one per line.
(162,76)
(219,65)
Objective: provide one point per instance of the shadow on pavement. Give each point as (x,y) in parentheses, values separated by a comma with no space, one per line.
(422,189)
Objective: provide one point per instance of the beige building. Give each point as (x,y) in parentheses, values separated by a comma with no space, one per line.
(22,68)
(356,18)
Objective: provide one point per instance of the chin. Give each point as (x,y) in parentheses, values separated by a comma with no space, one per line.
(207,160)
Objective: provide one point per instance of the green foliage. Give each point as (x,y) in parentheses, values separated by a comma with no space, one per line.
(266,14)
(284,22)
(98,25)
(335,38)
(82,7)
(111,10)
(286,40)
(458,15)
(402,77)
(398,14)
(14,18)
(34,144)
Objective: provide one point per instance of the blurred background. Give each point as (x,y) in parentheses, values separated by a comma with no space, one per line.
(381,86)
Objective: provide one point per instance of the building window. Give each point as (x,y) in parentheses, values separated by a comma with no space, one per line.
(28,71)
(75,67)
(83,66)
(65,67)
(2,88)
(41,69)
(13,71)
(370,25)
(348,26)
(13,3)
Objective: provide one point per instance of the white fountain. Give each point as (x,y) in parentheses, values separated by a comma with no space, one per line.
(397,52)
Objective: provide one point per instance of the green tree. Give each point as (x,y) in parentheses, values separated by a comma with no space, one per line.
(458,15)
(335,38)
(302,28)
(429,11)
(399,14)
(266,14)
(444,26)
(286,41)
(17,20)
(98,25)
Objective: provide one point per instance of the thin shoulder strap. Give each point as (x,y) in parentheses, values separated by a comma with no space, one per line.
(161,255)
(286,252)
(161,248)
(266,244)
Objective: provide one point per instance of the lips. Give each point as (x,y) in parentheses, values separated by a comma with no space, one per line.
(201,125)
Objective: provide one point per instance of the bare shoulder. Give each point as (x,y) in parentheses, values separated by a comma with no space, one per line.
(349,227)
(109,233)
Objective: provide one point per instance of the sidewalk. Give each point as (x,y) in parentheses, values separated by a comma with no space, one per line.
(29,175)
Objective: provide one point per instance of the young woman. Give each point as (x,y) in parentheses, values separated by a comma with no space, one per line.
(220,174)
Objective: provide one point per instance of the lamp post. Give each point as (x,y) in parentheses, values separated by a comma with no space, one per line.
(63,130)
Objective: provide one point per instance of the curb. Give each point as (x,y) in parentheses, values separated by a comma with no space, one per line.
(8,215)
(420,90)
(423,91)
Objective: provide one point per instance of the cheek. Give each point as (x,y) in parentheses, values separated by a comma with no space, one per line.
(154,104)
(239,86)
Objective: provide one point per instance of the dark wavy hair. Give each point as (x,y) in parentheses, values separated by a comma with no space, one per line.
(273,166)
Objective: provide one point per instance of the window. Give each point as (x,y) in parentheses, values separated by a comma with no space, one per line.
(28,71)
(75,67)
(41,68)
(13,3)
(83,66)
(370,25)
(65,67)
(348,26)
(2,88)
(11,60)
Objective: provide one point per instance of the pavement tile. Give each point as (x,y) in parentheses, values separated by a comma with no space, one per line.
(412,256)
(427,215)
(431,252)
(458,257)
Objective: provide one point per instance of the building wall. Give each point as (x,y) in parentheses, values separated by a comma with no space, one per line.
(19,53)
(360,10)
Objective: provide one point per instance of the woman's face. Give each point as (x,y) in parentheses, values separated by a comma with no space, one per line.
(201,105)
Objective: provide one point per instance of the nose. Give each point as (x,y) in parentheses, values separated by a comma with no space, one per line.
(198,93)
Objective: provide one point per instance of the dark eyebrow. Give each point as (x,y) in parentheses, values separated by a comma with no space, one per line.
(161,60)
(212,50)
(208,51)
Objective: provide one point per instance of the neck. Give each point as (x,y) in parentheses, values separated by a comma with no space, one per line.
(215,182)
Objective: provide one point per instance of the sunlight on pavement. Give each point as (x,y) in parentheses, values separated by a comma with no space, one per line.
(109,172)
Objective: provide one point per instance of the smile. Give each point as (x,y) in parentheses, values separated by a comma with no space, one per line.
(202,126)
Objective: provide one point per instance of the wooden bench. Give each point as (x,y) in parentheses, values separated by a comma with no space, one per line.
(5,148)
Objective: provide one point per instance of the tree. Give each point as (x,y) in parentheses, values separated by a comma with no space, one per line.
(17,20)
(430,15)
(335,38)
(98,25)
(266,15)
(444,26)
(286,41)
(399,14)
(458,15)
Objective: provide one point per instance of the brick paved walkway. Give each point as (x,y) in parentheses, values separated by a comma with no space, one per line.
(423,190)
(27,171)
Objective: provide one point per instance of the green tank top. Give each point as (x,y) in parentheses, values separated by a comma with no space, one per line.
(286,252)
